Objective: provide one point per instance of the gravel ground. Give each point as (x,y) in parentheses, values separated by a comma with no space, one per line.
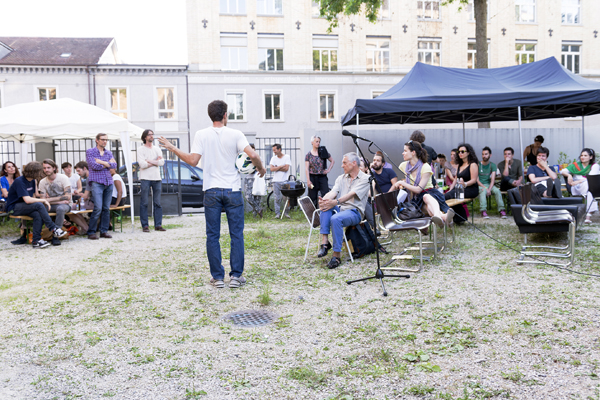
(135,318)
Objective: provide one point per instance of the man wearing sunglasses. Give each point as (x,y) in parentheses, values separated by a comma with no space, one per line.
(100,161)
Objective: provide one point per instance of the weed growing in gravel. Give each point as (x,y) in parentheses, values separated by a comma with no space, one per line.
(264,297)
(307,375)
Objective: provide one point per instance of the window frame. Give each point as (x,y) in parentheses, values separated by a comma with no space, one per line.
(265,14)
(320,50)
(526,42)
(157,110)
(237,11)
(373,91)
(275,49)
(422,10)
(380,51)
(266,92)
(241,37)
(578,54)
(244,104)
(108,101)
(335,105)
(36,91)
(383,9)
(578,14)
(429,40)
(519,21)
(474,52)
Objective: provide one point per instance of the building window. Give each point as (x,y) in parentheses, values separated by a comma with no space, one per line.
(316,9)
(570,11)
(273,110)
(472,54)
(570,57)
(428,9)
(118,101)
(325,53)
(269,7)
(384,10)
(327,106)
(233,7)
(525,10)
(376,93)
(166,102)
(378,54)
(270,52)
(430,52)
(525,53)
(471,10)
(234,52)
(236,105)
(46,93)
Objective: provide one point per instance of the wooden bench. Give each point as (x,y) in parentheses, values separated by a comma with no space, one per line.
(118,211)
(455,202)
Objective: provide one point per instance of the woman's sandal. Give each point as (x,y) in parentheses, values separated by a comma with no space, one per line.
(588,219)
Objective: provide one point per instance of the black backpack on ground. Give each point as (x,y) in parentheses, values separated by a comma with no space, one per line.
(362,238)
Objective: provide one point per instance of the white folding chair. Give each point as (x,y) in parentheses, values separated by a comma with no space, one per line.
(313,217)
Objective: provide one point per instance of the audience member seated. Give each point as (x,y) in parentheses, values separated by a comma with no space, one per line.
(22,201)
(368,209)
(511,170)
(418,183)
(487,179)
(576,175)
(541,175)
(384,177)
(9,173)
(119,190)
(67,169)
(81,220)
(467,173)
(530,152)
(450,168)
(56,189)
(343,206)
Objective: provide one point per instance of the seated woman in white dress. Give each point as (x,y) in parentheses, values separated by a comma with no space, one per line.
(576,175)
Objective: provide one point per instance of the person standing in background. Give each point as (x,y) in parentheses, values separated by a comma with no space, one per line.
(150,160)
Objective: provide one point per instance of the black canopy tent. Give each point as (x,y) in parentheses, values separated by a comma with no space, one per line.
(429,94)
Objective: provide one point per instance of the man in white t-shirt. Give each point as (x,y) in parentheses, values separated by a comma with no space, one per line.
(280,166)
(218,146)
(150,160)
(56,189)
(67,169)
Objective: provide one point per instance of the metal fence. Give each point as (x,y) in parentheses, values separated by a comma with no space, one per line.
(289,146)
(10,150)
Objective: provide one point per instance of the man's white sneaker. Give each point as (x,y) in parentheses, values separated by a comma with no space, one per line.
(40,244)
(59,233)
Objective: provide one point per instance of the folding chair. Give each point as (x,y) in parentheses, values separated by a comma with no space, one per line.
(386,203)
(313,217)
(554,220)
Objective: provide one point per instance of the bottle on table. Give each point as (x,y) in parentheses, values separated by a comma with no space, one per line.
(461,190)
(81,204)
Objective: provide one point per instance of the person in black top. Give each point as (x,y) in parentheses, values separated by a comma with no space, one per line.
(530,152)
(385,177)
(316,171)
(467,170)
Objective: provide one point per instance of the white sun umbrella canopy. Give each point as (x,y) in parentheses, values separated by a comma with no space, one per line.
(66,119)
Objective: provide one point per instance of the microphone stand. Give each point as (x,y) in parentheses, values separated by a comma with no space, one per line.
(379,273)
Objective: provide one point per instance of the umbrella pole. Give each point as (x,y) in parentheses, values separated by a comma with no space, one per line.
(582,130)
(464,131)
(521,137)
(357,133)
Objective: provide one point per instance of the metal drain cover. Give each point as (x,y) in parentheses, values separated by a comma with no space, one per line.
(251,318)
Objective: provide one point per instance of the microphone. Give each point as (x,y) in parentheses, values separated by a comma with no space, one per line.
(353,136)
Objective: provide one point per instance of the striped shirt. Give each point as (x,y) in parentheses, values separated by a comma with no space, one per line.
(98,172)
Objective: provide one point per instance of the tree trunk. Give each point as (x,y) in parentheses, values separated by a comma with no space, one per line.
(481,45)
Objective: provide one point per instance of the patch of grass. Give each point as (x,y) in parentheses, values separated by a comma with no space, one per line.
(419,390)
(172,226)
(307,375)
(264,297)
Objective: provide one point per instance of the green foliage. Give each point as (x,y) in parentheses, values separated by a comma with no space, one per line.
(330,9)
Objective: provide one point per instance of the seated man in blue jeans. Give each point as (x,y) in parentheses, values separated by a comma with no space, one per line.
(343,206)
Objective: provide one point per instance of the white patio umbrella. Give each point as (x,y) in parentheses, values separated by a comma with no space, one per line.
(66,119)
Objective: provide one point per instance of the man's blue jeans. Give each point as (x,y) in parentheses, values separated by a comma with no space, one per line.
(156,191)
(338,221)
(232,202)
(101,196)
(39,213)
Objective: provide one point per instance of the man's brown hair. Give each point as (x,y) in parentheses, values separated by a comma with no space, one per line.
(52,164)
(33,170)
(217,110)
(81,165)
